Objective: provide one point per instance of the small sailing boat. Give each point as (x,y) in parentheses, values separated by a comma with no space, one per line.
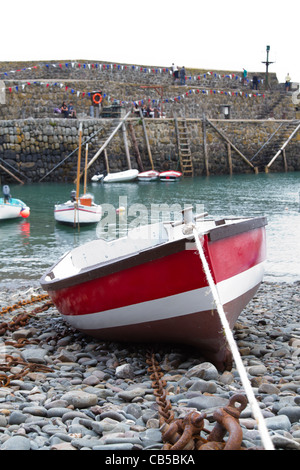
(11,208)
(79,210)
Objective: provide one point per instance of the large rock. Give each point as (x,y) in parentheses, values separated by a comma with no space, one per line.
(80,399)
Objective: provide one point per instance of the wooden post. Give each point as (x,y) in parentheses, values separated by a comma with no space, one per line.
(11,174)
(146,139)
(284,160)
(232,145)
(282,148)
(108,140)
(229,158)
(126,145)
(136,148)
(106,160)
(205,146)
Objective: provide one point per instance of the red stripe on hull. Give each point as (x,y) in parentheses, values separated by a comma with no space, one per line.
(160,278)
(233,255)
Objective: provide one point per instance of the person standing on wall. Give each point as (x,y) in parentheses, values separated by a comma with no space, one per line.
(175,73)
(182,76)
(255,83)
(287,82)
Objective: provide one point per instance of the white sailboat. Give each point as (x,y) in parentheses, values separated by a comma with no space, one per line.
(79,210)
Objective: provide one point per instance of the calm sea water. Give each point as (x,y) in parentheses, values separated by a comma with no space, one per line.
(29,246)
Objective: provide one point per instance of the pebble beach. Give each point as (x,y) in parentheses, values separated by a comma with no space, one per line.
(83,394)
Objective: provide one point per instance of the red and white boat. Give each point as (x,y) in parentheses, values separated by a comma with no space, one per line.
(170,175)
(150,175)
(150,285)
(78,212)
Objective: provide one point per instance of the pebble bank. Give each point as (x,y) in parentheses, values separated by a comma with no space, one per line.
(86,394)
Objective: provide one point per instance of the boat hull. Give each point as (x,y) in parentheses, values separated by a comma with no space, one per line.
(97,178)
(162,294)
(170,175)
(82,214)
(121,176)
(12,209)
(151,175)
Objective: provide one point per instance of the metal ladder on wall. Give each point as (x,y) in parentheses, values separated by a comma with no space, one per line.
(185,156)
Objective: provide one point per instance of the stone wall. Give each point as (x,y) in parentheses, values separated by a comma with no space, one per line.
(38,100)
(34,140)
(35,90)
(126,73)
(32,148)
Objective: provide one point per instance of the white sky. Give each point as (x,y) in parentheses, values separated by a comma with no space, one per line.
(215,35)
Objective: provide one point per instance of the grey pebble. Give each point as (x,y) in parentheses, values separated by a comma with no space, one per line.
(99,395)
(16,443)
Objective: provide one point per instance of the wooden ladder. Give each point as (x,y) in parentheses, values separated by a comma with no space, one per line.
(185,156)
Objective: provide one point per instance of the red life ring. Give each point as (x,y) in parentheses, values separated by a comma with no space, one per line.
(97,98)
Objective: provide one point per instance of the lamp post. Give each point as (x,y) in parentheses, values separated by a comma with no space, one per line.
(267,67)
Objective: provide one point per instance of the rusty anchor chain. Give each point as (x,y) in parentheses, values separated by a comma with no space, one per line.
(16,362)
(22,319)
(23,303)
(17,322)
(185,433)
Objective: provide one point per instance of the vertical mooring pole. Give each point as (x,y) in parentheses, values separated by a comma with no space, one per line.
(205,145)
(229,158)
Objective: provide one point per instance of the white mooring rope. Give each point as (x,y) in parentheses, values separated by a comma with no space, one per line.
(265,437)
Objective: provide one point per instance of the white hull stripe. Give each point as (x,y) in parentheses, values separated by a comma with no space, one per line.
(172,306)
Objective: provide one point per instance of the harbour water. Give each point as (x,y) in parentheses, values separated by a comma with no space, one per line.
(29,246)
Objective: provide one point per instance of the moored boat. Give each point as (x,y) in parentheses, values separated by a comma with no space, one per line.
(12,208)
(121,176)
(150,286)
(170,175)
(150,175)
(79,210)
(97,177)
(83,211)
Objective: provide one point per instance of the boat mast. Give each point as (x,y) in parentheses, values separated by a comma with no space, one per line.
(78,163)
(85,167)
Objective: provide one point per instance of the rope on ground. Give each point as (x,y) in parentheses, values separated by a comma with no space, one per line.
(266,440)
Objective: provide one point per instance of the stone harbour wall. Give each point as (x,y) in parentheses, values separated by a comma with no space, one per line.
(39,100)
(31,89)
(34,139)
(31,148)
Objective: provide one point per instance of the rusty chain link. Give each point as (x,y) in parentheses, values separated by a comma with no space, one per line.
(16,362)
(23,303)
(17,322)
(23,318)
(185,433)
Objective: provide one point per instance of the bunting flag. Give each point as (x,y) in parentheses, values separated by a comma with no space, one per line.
(137,68)
(140,102)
